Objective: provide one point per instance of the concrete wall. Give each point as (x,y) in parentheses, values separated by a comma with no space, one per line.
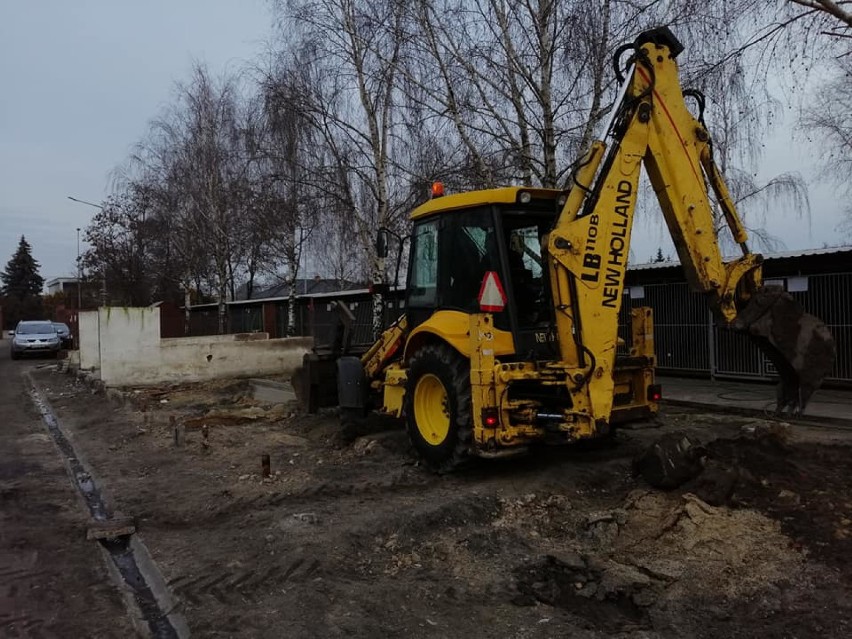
(90,355)
(132,353)
(129,340)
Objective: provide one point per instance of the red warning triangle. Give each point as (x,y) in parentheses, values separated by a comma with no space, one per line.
(492,299)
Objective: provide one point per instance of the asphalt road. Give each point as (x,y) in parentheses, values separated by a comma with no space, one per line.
(53,582)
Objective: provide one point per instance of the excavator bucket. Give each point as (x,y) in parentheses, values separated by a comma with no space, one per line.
(797,343)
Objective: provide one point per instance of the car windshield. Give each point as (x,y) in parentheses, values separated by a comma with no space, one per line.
(35,329)
(60,328)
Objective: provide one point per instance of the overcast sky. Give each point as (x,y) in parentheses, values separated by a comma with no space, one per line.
(79,81)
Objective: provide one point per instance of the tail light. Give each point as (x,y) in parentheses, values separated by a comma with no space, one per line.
(655,392)
(490,417)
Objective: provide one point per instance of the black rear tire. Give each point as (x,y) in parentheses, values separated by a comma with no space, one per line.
(441,362)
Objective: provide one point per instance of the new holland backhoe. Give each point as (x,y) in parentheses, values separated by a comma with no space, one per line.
(510,333)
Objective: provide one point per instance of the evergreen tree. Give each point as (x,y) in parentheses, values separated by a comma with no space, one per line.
(659,257)
(21,278)
(21,286)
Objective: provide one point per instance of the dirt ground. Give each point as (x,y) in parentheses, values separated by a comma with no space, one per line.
(53,583)
(353,538)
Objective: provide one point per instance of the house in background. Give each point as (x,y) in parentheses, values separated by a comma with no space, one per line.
(67,285)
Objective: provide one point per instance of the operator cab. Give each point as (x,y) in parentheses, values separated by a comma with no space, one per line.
(458,241)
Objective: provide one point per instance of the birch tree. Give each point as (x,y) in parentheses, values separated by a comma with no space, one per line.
(357,46)
(285,150)
(521,82)
(369,101)
(154,168)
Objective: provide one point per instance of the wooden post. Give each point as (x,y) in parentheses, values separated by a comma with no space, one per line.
(179,431)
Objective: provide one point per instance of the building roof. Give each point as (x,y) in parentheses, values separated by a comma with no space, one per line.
(305,286)
(337,293)
(766,256)
(60,280)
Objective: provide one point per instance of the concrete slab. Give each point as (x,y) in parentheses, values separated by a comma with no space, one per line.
(753,398)
(271,392)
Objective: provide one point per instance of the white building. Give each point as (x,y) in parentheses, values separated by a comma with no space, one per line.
(61,285)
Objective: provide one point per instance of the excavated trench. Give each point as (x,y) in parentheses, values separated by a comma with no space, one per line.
(124,554)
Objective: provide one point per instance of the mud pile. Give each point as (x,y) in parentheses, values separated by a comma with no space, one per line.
(658,551)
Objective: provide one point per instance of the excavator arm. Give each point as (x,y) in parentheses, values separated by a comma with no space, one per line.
(588,249)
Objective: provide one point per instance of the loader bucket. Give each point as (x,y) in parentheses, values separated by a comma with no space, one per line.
(797,343)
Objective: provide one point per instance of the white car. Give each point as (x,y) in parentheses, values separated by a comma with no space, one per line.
(34,337)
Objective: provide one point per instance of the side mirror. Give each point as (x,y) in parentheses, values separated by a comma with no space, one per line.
(382,243)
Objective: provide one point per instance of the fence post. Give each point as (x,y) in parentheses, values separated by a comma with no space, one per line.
(269,323)
(711,345)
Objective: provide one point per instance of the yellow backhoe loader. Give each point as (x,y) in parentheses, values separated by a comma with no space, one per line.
(510,332)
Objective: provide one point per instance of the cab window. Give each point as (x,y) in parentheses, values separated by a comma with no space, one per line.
(423,281)
(469,250)
(523,240)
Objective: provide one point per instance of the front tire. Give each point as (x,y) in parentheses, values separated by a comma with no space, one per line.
(438,405)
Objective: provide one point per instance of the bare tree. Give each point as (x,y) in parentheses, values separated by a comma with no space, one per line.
(829,119)
(120,238)
(288,165)
(833,9)
(155,168)
(356,47)
(523,84)
(193,168)
(368,101)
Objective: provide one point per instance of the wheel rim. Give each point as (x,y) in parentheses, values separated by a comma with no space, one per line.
(431,409)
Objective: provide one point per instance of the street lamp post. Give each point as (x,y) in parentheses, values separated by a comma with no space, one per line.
(79,275)
(79,271)
(74,199)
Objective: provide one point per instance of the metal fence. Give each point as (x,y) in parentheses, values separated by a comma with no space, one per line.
(204,320)
(688,341)
(680,324)
(686,338)
(302,319)
(325,317)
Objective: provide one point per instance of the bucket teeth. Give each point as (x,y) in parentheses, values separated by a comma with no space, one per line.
(798,344)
